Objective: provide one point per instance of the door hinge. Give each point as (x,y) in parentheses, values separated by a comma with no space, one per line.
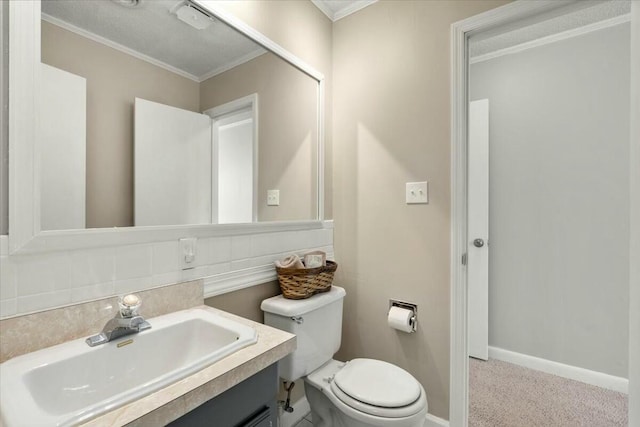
(464,258)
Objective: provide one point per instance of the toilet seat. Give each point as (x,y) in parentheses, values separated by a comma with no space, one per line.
(378,388)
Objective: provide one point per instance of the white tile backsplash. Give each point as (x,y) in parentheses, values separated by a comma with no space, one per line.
(8,307)
(167,278)
(240,264)
(92,266)
(41,274)
(133,262)
(127,286)
(166,257)
(38,302)
(240,247)
(91,292)
(220,249)
(43,281)
(218,268)
(8,283)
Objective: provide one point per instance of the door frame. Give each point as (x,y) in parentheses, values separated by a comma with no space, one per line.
(460,33)
(246,102)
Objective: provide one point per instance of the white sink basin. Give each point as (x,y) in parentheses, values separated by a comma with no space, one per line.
(71,383)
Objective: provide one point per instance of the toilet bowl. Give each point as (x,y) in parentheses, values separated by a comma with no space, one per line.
(363,393)
(359,393)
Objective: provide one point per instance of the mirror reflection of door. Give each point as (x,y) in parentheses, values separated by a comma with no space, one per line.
(234,179)
(234,143)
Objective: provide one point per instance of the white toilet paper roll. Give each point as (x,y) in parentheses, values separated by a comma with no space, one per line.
(400,319)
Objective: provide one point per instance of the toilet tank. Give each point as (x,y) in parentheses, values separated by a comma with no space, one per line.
(317,323)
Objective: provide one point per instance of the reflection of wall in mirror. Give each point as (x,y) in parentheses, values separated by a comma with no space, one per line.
(287,131)
(287,122)
(114,79)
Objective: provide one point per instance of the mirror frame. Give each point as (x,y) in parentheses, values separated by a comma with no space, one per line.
(25,234)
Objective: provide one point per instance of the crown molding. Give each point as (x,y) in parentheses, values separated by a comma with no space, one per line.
(353,7)
(553,38)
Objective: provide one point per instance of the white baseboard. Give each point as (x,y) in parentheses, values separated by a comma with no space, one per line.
(300,409)
(433,421)
(599,379)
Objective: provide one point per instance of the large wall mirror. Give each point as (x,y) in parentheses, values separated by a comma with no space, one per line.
(148,121)
(158,113)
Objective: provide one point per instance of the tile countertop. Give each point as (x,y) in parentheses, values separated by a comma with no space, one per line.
(175,400)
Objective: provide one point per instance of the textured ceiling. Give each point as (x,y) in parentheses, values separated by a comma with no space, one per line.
(151,29)
(569,20)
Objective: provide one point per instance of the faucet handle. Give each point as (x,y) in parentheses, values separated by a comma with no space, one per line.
(129,305)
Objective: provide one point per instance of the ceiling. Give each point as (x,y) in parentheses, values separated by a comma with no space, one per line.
(151,30)
(337,9)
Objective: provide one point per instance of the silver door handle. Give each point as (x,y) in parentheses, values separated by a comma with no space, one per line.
(478,243)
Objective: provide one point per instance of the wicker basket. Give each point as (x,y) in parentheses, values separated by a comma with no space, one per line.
(301,283)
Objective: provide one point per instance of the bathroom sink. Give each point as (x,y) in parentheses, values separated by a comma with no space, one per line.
(71,383)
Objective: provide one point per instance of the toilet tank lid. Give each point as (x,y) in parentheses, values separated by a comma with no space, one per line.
(296,307)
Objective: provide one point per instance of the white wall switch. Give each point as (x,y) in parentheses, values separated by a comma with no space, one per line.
(417,192)
(188,252)
(273,197)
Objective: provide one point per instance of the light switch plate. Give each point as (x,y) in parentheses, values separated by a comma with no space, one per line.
(273,197)
(417,192)
(188,252)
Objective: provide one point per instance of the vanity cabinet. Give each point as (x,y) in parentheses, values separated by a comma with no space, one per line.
(252,403)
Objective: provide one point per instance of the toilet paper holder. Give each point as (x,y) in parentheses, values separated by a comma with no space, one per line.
(409,306)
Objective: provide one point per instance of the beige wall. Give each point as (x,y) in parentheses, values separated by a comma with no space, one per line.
(287,131)
(391,126)
(114,79)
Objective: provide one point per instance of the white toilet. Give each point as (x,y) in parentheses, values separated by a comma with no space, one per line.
(359,393)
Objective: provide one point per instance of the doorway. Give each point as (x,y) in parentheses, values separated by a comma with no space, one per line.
(235,154)
(463,240)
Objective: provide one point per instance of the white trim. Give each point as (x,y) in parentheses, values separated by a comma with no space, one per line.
(587,376)
(235,280)
(117,46)
(24,67)
(246,58)
(320,151)
(433,421)
(249,101)
(300,410)
(223,283)
(225,16)
(352,8)
(141,56)
(460,31)
(324,8)
(553,38)
(356,6)
(4,245)
(64,240)
(634,247)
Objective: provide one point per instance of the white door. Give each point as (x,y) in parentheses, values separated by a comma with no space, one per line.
(235,157)
(172,165)
(63,118)
(234,142)
(478,230)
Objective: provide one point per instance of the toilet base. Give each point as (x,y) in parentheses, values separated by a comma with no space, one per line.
(328,411)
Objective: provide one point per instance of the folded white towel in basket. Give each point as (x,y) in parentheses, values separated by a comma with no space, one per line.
(292,261)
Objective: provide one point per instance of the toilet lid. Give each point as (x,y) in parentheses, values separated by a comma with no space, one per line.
(377,383)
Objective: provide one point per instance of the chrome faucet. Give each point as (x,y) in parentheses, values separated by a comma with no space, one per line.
(126,322)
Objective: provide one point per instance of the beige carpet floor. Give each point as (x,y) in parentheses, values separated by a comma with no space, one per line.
(506,395)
